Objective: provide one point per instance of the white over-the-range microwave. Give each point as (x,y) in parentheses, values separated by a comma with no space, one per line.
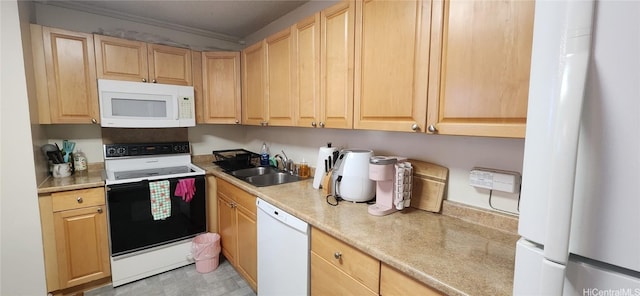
(129,104)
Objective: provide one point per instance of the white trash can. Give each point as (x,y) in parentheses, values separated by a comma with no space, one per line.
(205,249)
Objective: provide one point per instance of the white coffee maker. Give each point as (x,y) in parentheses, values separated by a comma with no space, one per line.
(393,176)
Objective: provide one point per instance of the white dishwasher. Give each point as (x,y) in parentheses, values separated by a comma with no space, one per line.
(283,252)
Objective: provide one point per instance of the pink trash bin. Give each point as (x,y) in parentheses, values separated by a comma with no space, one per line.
(206,250)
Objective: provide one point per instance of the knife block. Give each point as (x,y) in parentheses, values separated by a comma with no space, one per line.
(326,183)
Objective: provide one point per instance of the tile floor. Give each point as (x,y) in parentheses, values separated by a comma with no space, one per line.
(184,281)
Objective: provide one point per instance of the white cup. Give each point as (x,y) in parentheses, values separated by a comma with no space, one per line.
(61,170)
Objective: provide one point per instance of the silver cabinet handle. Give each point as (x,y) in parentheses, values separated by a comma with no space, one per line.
(144,79)
(94,121)
(154,81)
(79,200)
(432,129)
(415,127)
(237,121)
(321,124)
(100,210)
(313,123)
(337,255)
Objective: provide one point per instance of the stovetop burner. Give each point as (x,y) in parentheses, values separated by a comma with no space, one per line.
(152,172)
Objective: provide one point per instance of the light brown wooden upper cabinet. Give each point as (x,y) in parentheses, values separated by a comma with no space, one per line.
(254,105)
(479,67)
(280,77)
(269,78)
(64,64)
(337,41)
(392,51)
(122,59)
(303,75)
(221,99)
(307,70)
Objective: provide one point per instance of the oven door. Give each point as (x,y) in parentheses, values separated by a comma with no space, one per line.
(132,226)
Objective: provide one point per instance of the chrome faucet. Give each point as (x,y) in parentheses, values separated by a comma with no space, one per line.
(287,164)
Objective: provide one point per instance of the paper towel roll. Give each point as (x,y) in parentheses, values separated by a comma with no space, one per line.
(323,154)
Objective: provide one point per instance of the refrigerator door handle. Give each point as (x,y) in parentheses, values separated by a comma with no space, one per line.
(566,130)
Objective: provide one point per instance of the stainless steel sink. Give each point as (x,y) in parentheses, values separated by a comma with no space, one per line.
(243,173)
(272,179)
(264,176)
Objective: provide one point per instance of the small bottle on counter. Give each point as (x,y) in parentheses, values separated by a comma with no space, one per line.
(79,161)
(303,170)
(264,155)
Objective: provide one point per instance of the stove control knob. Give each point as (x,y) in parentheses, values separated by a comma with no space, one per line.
(121,150)
(111,151)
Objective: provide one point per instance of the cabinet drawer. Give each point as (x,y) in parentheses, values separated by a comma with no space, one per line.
(241,197)
(326,279)
(393,282)
(362,267)
(77,199)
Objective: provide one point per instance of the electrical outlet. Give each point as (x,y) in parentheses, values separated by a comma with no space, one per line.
(495,179)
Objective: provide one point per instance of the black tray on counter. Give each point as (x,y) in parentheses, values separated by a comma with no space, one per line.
(236,159)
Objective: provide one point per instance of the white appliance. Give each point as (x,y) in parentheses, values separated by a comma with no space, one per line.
(350,177)
(283,252)
(579,212)
(129,104)
(393,176)
(141,244)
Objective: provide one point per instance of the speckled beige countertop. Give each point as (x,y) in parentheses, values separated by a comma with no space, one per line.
(79,180)
(446,253)
(449,254)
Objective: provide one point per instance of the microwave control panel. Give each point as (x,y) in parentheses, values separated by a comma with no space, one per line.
(186,108)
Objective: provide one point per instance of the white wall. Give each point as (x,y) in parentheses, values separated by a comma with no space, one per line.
(289,19)
(458,153)
(21,257)
(58,17)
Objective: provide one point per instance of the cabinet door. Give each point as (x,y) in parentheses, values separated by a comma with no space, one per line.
(247,246)
(227,226)
(336,65)
(328,280)
(121,59)
(82,245)
(480,60)
(391,73)
(393,282)
(169,65)
(71,75)
(280,78)
(255,110)
(307,69)
(221,87)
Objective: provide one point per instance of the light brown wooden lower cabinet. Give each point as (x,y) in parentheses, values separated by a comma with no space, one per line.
(76,245)
(393,282)
(340,269)
(238,229)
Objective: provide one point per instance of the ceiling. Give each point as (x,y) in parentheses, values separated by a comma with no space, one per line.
(223,19)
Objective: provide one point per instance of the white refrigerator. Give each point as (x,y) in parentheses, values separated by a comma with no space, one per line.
(580,200)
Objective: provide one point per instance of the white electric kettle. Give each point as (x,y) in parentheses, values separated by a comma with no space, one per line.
(350,178)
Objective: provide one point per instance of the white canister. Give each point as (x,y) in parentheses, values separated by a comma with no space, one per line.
(61,170)
(79,161)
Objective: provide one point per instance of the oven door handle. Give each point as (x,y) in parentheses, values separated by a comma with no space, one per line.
(127,186)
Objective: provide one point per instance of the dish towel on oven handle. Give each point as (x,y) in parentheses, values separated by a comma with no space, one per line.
(160,199)
(186,188)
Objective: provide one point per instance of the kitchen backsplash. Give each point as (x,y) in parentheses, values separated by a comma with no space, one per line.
(458,153)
